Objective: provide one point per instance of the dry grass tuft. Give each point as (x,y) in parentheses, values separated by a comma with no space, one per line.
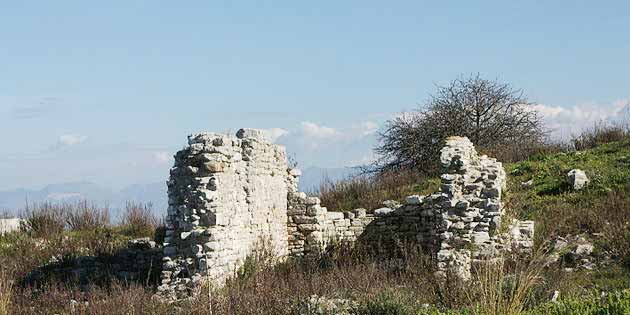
(6,293)
(84,216)
(369,191)
(602,132)
(138,219)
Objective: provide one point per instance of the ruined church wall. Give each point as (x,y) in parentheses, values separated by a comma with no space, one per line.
(226,194)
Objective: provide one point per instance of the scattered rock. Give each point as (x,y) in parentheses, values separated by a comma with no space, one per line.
(414,200)
(573,252)
(577,179)
(383,212)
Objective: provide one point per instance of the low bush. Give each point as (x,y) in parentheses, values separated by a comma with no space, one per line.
(84,216)
(600,133)
(45,219)
(138,220)
(369,191)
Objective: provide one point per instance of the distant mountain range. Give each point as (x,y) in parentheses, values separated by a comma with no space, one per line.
(15,200)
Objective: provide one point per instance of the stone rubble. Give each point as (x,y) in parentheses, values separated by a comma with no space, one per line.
(573,252)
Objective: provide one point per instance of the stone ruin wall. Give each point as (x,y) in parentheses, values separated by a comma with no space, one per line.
(457,225)
(226,194)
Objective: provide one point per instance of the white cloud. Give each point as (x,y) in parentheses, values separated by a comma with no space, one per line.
(365,128)
(273,134)
(70,140)
(313,130)
(564,121)
(162,157)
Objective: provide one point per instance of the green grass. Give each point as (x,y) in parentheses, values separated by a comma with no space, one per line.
(607,166)
(616,303)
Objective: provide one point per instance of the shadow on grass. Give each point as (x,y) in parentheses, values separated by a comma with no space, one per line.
(138,263)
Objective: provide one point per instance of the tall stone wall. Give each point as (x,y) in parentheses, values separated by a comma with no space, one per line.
(225,195)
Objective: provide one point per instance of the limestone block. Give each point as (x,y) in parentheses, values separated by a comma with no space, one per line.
(414,200)
(577,179)
(214,166)
(360,213)
(382,212)
(10,225)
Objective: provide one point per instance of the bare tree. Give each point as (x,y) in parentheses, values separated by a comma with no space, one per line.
(492,114)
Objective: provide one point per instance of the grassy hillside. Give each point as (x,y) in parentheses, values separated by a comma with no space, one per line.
(601,210)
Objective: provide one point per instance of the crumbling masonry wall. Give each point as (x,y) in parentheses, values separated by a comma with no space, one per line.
(227,193)
(457,225)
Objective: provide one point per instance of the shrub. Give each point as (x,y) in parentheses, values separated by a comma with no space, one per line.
(138,219)
(84,216)
(492,114)
(45,219)
(521,152)
(369,191)
(602,132)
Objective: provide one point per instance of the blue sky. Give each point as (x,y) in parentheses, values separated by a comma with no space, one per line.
(107,91)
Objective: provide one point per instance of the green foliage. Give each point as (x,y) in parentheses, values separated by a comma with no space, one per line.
(560,210)
(617,303)
(386,304)
(138,220)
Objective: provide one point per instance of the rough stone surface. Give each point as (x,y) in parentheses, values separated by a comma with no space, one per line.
(10,225)
(577,179)
(457,225)
(227,193)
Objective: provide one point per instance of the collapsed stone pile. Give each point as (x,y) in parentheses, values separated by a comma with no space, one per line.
(227,193)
